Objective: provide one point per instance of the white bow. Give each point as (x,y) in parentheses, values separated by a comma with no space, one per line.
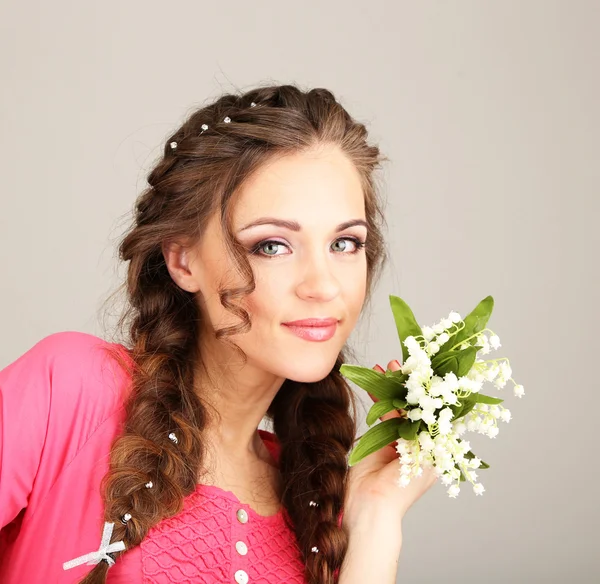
(101,554)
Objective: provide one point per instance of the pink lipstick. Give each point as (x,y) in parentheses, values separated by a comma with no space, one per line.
(313,329)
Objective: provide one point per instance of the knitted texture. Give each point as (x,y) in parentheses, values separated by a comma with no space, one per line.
(207,543)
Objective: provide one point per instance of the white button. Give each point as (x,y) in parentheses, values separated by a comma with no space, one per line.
(241,548)
(242,516)
(241,577)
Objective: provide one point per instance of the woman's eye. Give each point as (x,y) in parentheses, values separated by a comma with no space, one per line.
(270,245)
(269,248)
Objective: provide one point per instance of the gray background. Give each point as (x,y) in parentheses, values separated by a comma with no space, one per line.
(489,113)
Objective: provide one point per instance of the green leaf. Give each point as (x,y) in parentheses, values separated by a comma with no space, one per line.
(397,376)
(483,465)
(465,405)
(486,399)
(408,430)
(457,362)
(378,409)
(475,322)
(406,323)
(377,384)
(374,439)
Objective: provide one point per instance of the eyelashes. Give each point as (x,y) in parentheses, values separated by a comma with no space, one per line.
(256,249)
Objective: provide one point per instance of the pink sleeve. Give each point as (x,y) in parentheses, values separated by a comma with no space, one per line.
(24,408)
(45,417)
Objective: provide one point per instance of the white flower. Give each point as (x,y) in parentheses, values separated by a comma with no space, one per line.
(430,403)
(482,340)
(413,397)
(414,414)
(451,381)
(491,373)
(495,341)
(446,323)
(438,328)
(403,446)
(454,317)
(447,480)
(446,414)
(453,491)
(519,391)
(437,386)
(460,428)
(464,446)
(505,416)
(428,417)
(428,333)
(475,463)
(495,411)
(433,348)
(478,488)
(444,427)
(505,370)
(443,338)
(426,441)
(471,475)
(404,481)
(493,431)
(417,362)
(412,345)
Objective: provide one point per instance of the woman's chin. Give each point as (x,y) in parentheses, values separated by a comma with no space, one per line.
(311,373)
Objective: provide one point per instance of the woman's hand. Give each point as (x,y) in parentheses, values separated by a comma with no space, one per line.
(373,481)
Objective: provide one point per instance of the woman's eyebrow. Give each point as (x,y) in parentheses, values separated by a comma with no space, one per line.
(295,226)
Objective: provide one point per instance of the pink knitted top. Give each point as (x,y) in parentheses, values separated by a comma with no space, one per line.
(61,406)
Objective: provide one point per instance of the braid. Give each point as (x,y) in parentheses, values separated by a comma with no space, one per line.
(316,431)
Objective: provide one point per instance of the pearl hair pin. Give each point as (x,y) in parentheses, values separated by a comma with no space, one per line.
(149,484)
(313,504)
(173,438)
(204,127)
(125,518)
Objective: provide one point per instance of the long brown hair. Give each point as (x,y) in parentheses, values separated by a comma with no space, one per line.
(313,422)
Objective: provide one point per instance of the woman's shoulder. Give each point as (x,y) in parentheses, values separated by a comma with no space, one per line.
(69,370)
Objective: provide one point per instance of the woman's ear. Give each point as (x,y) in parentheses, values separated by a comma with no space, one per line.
(179,260)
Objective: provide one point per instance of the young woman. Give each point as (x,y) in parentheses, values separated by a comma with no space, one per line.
(253,252)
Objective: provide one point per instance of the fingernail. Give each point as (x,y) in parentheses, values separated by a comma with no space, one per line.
(381,369)
(397,362)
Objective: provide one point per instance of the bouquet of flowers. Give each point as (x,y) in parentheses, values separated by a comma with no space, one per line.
(437,393)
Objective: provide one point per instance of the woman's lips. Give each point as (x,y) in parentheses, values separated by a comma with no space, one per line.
(313,333)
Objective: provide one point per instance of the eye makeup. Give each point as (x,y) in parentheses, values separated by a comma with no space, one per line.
(256,249)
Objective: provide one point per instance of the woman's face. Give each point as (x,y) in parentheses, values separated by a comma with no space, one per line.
(311,269)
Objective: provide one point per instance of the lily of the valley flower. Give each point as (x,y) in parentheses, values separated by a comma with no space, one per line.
(429,398)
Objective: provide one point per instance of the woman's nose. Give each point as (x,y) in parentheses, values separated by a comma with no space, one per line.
(318,281)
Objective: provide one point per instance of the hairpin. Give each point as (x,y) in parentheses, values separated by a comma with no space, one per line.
(315,549)
(149,484)
(204,127)
(173,437)
(125,518)
(313,504)
(104,553)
